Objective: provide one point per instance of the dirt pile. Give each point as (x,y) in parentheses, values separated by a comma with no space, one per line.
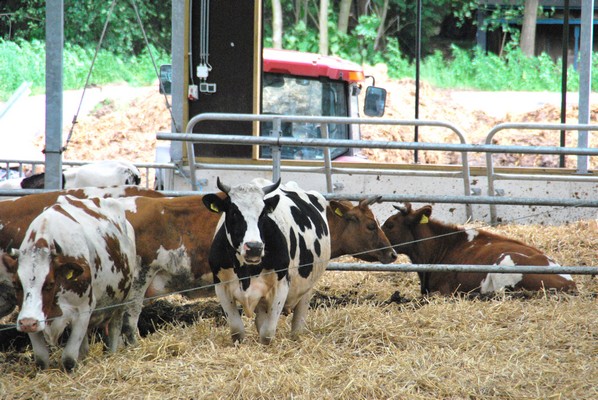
(118,129)
(475,123)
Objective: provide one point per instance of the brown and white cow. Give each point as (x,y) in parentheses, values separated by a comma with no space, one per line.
(428,241)
(17,213)
(354,230)
(75,267)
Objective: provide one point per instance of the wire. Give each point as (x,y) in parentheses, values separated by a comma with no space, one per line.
(95,55)
(149,50)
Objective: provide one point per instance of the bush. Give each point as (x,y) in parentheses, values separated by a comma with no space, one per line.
(25,61)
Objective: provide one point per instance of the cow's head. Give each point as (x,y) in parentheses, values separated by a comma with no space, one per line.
(244,208)
(356,231)
(400,228)
(40,273)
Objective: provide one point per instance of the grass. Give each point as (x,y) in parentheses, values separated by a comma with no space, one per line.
(25,62)
(465,69)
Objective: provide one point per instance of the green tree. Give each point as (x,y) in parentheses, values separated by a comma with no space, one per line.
(85,19)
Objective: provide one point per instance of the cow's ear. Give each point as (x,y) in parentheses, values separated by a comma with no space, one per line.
(422,216)
(213,203)
(340,209)
(70,271)
(10,262)
(271,203)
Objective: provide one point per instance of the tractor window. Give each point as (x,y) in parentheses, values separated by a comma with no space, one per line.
(292,95)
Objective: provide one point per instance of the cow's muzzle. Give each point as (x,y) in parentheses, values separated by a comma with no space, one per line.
(28,325)
(253,252)
(388,256)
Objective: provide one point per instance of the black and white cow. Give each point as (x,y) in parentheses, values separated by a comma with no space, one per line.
(271,246)
(75,268)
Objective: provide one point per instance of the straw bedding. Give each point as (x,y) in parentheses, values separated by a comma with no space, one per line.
(371,335)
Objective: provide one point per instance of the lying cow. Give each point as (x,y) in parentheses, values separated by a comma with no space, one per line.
(75,268)
(427,241)
(97,174)
(267,253)
(16,215)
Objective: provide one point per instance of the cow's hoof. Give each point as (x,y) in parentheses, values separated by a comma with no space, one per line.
(265,340)
(41,364)
(69,364)
(238,338)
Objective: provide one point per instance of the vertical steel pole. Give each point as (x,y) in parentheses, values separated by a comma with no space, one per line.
(54,50)
(585,78)
(565,65)
(418,55)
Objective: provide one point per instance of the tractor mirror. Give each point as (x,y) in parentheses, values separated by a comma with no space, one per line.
(375,101)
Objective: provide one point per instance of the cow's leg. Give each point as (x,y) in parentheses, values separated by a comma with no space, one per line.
(136,296)
(274,309)
(115,327)
(228,304)
(40,349)
(300,315)
(261,312)
(70,354)
(84,348)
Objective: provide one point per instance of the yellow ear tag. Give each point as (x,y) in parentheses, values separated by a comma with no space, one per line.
(424,219)
(338,212)
(69,275)
(214,208)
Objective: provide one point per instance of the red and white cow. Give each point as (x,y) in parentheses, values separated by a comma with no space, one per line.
(75,268)
(427,241)
(17,213)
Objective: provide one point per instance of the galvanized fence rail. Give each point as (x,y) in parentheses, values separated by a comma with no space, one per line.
(492,176)
(463,148)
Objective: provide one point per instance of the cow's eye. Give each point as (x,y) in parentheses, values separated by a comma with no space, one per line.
(388,225)
(18,286)
(372,226)
(47,287)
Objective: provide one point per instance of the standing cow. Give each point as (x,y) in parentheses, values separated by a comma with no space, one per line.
(16,215)
(75,268)
(267,253)
(427,241)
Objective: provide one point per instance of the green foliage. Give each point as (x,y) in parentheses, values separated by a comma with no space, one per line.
(478,70)
(85,19)
(24,61)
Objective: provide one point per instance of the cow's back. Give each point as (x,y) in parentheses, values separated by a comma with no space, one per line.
(302,216)
(173,235)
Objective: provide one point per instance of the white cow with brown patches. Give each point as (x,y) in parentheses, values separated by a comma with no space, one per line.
(74,268)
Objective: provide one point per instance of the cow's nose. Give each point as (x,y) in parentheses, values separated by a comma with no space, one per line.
(254,248)
(391,256)
(28,325)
